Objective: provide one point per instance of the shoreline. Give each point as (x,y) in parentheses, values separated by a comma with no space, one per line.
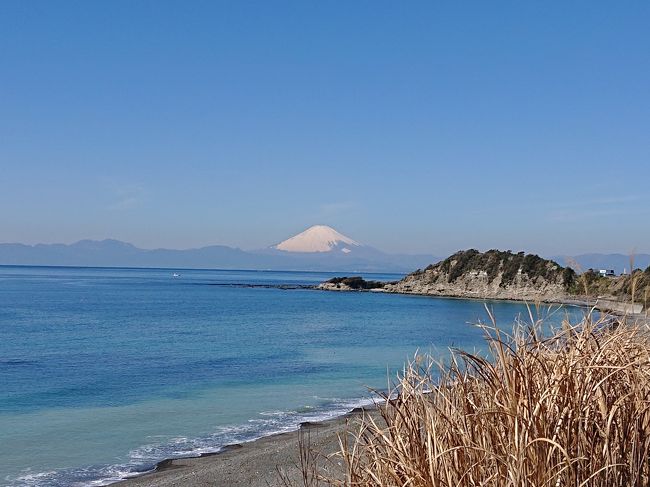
(601,304)
(255,463)
(582,303)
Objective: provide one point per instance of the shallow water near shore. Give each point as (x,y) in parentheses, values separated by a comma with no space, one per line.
(105,372)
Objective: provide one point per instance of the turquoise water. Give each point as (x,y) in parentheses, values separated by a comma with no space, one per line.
(105,372)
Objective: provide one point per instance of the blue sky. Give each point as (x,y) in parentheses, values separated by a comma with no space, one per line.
(410,126)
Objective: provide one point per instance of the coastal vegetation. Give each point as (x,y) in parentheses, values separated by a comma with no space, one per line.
(634,287)
(572,408)
(507,264)
(499,274)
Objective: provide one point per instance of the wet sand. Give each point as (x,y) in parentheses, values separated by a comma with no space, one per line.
(256,464)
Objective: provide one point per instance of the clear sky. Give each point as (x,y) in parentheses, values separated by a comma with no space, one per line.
(410,126)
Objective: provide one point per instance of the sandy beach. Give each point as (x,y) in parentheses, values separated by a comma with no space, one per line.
(255,464)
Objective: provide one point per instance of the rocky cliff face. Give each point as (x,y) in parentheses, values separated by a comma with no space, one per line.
(475,284)
(488,275)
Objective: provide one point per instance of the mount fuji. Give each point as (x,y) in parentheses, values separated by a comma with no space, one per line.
(319,238)
(321,247)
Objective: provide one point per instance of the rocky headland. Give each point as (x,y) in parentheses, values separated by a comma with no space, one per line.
(473,274)
(506,275)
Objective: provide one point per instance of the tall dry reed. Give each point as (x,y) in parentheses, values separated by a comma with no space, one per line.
(569,410)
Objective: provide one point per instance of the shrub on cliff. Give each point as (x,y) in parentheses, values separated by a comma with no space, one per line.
(569,278)
(591,283)
(634,287)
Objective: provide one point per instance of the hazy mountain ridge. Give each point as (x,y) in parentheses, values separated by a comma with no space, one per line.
(114,253)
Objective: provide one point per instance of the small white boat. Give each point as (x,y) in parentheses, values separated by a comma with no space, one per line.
(176,274)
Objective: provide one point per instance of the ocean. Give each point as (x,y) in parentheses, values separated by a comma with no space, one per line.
(105,372)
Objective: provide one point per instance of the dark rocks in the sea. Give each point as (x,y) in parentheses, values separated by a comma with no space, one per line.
(225,449)
(356,282)
(167,464)
(361,410)
(285,287)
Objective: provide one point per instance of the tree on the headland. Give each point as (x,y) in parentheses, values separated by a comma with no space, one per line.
(569,278)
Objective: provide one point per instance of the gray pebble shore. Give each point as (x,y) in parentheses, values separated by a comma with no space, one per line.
(257,463)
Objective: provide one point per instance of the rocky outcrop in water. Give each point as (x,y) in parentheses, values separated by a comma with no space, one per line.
(487,275)
(355,283)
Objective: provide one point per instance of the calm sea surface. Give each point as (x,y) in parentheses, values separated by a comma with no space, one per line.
(104,372)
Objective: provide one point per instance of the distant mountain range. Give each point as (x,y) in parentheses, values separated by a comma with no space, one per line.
(319,248)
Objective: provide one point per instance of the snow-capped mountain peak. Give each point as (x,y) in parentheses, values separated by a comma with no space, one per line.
(319,238)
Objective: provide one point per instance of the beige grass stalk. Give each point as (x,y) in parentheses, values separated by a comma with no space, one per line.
(569,410)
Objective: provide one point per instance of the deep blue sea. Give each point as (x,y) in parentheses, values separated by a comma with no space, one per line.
(104,372)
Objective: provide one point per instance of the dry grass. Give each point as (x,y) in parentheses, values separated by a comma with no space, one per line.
(569,410)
